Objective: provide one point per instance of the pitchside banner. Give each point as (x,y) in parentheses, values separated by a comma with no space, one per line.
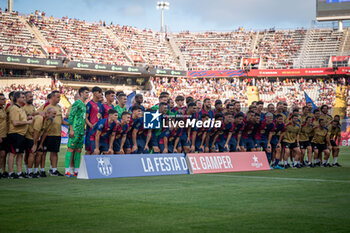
(227,162)
(113,166)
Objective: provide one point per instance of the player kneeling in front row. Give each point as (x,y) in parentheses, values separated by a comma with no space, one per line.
(119,133)
(76,122)
(101,134)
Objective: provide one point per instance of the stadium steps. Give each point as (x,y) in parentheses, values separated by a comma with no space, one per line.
(119,43)
(179,58)
(344,48)
(39,37)
(320,45)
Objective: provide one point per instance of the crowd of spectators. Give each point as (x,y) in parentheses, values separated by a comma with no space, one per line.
(292,91)
(278,48)
(15,38)
(126,45)
(215,50)
(146,46)
(321,91)
(80,40)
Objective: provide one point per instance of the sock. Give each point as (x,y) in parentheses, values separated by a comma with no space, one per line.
(77,159)
(30,170)
(277,161)
(67,159)
(335,160)
(36,170)
(67,170)
(76,170)
(326,161)
(285,162)
(26,168)
(269,155)
(308,163)
(54,169)
(19,173)
(10,173)
(71,168)
(42,169)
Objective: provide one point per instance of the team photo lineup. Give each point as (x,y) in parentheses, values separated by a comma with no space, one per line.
(175,116)
(304,137)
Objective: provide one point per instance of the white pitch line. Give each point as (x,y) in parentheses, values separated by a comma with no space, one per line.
(280,178)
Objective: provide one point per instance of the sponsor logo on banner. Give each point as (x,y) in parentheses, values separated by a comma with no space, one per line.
(104,166)
(112,166)
(256,162)
(227,162)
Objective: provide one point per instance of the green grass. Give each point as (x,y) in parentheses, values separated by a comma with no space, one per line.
(302,200)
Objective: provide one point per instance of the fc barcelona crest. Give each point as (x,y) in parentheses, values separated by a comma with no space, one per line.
(104,166)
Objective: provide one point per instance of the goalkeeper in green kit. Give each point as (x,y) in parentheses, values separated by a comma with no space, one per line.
(76,130)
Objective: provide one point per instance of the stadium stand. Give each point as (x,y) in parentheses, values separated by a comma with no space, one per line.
(147,46)
(320,44)
(126,45)
(16,39)
(214,50)
(80,40)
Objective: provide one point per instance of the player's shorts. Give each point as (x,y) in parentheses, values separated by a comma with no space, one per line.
(248,143)
(304,145)
(127,143)
(333,143)
(221,146)
(154,139)
(198,145)
(170,147)
(184,140)
(104,147)
(76,142)
(287,145)
(53,143)
(4,145)
(233,144)
(141,144)
(319,147)
(261,143)
(87,142)
(274,142)
(28,145)
(116,144)
(16,143)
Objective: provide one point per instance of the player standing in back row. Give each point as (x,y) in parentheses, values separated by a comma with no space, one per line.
(76,129)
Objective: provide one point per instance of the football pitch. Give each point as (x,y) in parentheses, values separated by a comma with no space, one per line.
(292,200)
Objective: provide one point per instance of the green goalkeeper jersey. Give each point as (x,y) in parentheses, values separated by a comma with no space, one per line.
(77,117)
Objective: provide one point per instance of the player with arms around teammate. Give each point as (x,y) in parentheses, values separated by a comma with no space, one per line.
(291,141)
(101,135)
(34,147)
(18,126)
(306,132)
(76,129)
(321,143)
(334,133)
